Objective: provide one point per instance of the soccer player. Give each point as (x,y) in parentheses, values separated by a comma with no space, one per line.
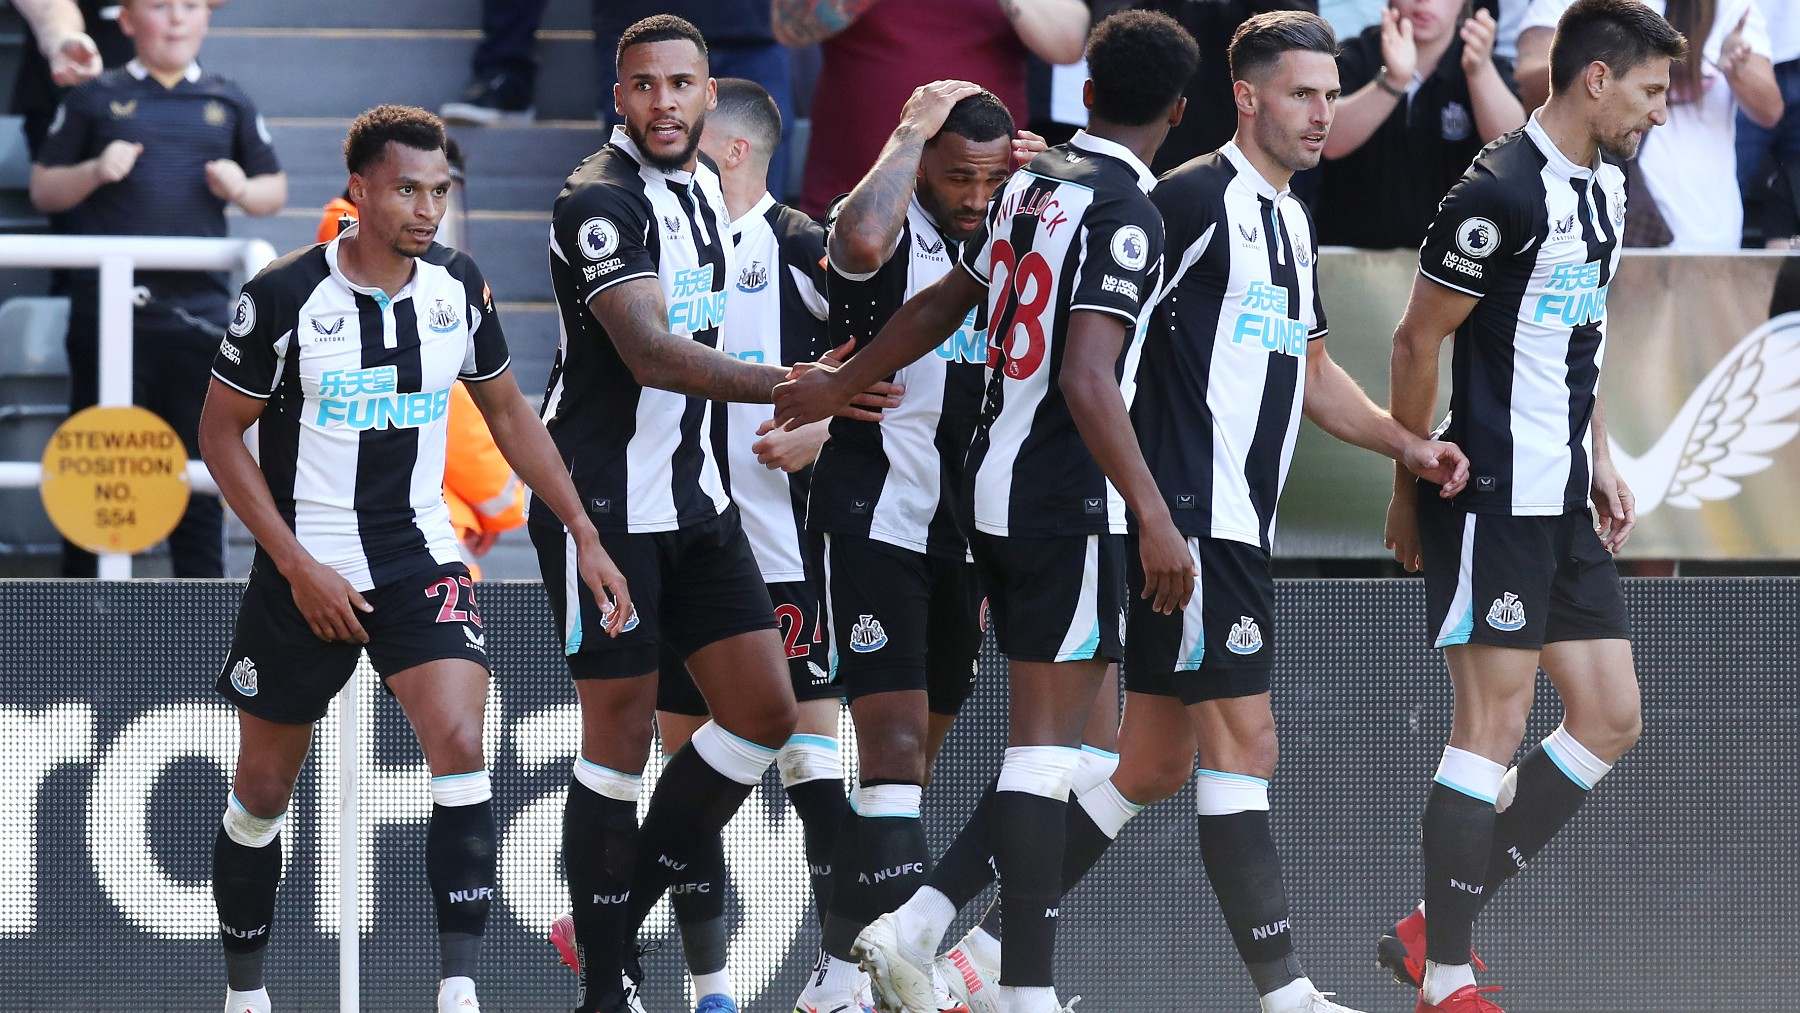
(776,315)
(1517,265)
(1068,258)
(343,355)
(642,261)
(901,595)
(1234,356)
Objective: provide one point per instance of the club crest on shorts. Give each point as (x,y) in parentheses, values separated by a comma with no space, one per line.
(867,635)
(243,677)
(1245,638)
(1507,613)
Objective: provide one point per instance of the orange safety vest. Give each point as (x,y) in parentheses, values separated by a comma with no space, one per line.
(479,487)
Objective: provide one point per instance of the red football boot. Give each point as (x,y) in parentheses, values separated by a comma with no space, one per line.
(1467,999)
(1403,951)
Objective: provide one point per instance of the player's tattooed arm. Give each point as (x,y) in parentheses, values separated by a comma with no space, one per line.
(633,314)
(868,222)
(804,22)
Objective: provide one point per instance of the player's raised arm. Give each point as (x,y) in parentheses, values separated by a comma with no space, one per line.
(818,391)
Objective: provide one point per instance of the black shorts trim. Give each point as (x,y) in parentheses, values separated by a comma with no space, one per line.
(690,587)
(1055,599)
(1517,581)
(901,620)
(1222,645)
(278,671)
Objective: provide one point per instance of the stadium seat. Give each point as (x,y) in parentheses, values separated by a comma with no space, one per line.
(34,398)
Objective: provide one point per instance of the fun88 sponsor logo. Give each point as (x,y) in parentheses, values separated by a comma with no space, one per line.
(365,399)
(1574,296)
(693,305)
(1263,320)
(968,344)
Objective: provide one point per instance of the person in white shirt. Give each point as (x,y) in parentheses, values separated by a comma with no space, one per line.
(1690,165)
(1757,144)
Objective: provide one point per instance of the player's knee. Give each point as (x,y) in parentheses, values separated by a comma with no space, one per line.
(262,793)
(892,752)
(1615,729)
(1148,780)
(457,750)
(766,722)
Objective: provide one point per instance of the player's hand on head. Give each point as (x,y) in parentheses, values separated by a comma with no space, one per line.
(605,583)
(930,104)
(328,603)
(1027,146)
(1168,567)
(1615,507)
(1440,463)
(75,59)
(1401,534)
(226,179)
(116,160)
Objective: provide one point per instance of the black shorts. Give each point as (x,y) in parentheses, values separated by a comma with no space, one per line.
(901,620)
(278,671)
(1223,644)
(803,637)
(690,587)
(1517,581)
(1055,599)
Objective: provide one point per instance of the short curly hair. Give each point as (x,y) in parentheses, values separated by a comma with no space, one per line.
(659,28)
(370,133)
(1140,61)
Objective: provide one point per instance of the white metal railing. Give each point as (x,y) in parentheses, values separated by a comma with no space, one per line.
(119,258)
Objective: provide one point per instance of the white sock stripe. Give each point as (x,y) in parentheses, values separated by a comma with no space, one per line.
(809,758)
(1039,770)
(900,800)
(1575,760)
(471,788)
(1474,775)
(1222,793)
(614,784)
(1109,810)
(733,756)
(1092,768)
(250,831)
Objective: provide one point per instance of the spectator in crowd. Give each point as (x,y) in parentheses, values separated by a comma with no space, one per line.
(1423,93)
(484,496)
(158,148)
(740,42)
(1689,198)
(876,53)
(1769,157)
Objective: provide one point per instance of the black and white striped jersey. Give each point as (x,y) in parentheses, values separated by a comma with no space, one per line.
(643,459)
(1223,374)
(358,383)
(897,481)
(1536,238)
(1075,230)
(777,316)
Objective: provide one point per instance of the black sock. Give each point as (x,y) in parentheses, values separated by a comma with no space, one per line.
(1029,832)
(967,867)
(1544,802)
(599,851)
(244,882)
(698,897)
(1245,871)
(1082,849)
(822,808)
(693,802)
(887,865)
(459,864)
(1458,835)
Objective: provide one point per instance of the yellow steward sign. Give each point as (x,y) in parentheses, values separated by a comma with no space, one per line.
(115,479)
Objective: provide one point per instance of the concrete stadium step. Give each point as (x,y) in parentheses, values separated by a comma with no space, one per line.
(561,14)
(509,168)
(299,71)
(513,247)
